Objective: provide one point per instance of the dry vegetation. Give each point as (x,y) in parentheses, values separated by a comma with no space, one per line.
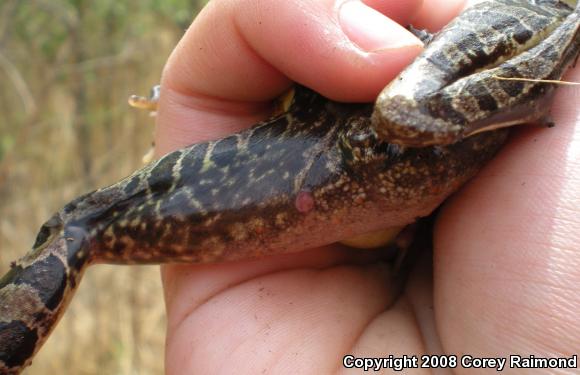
(66,70)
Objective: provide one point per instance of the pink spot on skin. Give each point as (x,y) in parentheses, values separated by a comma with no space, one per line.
(304,202)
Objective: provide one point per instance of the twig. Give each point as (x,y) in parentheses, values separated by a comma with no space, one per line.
(557,82)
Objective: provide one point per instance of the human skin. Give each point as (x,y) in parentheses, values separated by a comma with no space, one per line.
(504,275)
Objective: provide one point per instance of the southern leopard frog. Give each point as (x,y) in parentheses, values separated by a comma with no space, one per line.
(334,169)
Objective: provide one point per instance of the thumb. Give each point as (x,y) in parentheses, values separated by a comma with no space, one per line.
(238,55)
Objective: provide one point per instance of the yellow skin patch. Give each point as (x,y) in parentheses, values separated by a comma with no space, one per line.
(373,240)
(283,102)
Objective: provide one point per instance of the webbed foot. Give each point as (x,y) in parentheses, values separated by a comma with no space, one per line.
(148,103)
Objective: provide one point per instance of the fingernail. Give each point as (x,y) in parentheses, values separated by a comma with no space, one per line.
(372,31)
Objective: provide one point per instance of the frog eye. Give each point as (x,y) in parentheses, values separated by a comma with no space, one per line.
(77,248)
(75,235)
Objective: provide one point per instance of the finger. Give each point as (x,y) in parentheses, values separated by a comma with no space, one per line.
(434,14)
(257,47)
(397,10)
(239,54)
(507,261)
(210,280)
(285,322)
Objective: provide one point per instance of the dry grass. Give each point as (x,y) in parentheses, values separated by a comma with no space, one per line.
(55,145)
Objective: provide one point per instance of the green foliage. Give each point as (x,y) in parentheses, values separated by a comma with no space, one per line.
(46,26)
(6,143)
(185,10)
(79,44)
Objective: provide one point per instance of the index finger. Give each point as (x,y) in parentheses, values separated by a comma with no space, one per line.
(222,75)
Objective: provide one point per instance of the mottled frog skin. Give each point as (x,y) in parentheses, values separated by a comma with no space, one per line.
(451,91)
(318,173)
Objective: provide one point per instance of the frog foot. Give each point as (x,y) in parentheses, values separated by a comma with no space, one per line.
(147,103)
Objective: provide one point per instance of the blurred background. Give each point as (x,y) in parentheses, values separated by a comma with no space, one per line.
(67,68)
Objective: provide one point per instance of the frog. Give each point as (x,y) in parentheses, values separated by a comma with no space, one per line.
(340,170)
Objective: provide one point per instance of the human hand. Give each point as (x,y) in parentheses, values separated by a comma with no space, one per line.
(300,313)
